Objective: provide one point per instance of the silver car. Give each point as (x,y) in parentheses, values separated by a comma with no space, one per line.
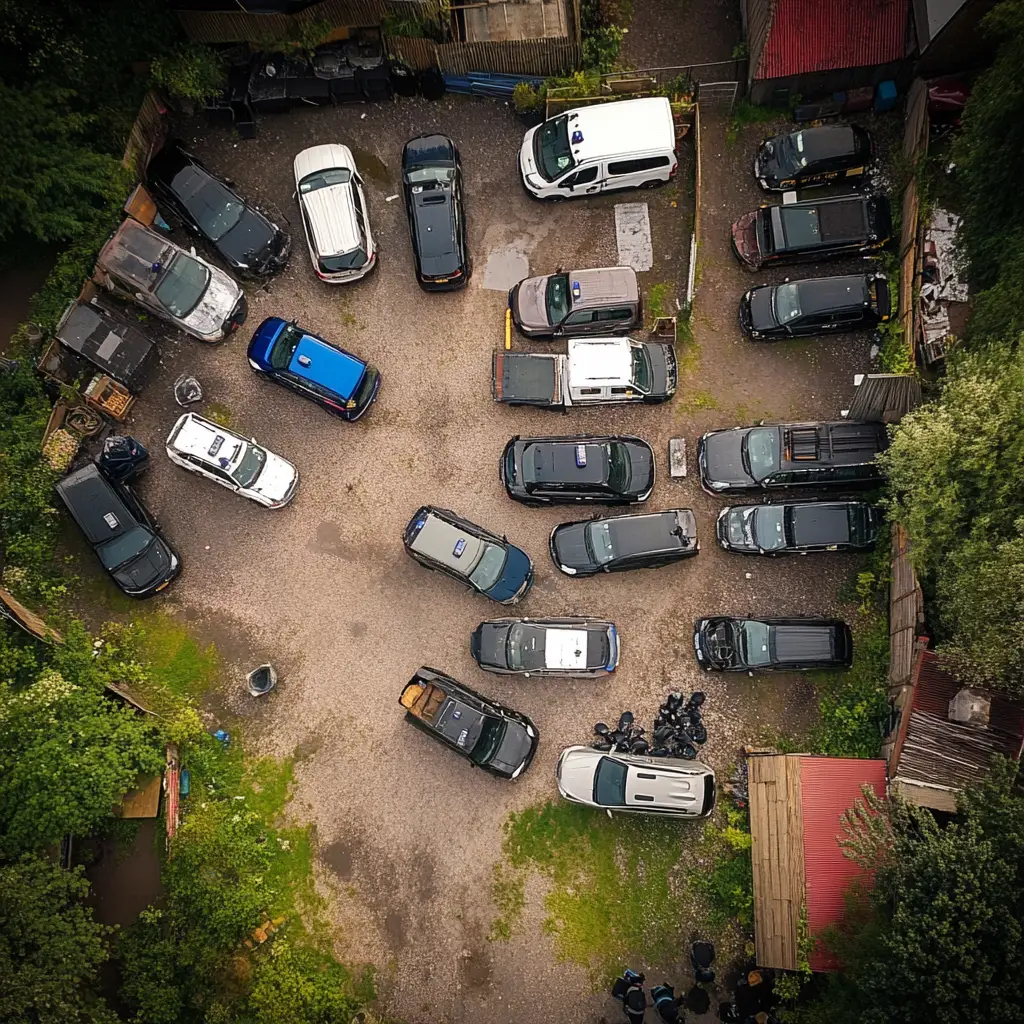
(635,784)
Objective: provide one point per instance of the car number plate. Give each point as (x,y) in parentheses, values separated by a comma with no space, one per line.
(162,585)
(440,280)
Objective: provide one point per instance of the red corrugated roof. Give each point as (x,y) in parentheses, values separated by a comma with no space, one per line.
(830,785)
(823,35)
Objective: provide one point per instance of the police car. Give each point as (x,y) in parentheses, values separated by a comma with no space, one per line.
(813,156)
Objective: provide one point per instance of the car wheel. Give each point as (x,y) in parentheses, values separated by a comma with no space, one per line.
(654,183)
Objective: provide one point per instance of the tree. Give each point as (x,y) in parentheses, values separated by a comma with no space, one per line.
(50,946)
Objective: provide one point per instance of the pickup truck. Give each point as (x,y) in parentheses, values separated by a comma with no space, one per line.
(814,230)
(489,735)
(596,371)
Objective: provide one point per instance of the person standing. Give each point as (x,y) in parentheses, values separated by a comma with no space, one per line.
(629,989)
(667,1003)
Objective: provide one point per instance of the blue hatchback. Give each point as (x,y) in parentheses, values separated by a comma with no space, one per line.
(314,368)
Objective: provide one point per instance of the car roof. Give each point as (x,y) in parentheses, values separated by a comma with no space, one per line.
(91,499)
(827,140)
(622,127)
(194,435)
(599,361)
(820,523)
(643,534)
(824,294)
(322,158)
(434,218)
(133,252)
(438,540)
(803,643)
(331,215)
(326,365)
(843,443)
(555,461)
(428,149)
(601,285)
(565,647)
(660,786)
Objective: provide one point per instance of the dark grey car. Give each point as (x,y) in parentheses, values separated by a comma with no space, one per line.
(799,527)
(580,302)
(728,644)
(546,647)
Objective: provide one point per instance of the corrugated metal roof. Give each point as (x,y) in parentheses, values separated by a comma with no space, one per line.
(824,35)
(830,785)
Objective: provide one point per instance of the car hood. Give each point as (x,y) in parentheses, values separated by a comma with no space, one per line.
(250,242)
(575,777)
(570,546)
(488,644)
(641,469)
(723,460)
(737,529)
(276,478)
(209,318)
(762,316)
(664,372)
(517,578)
(530,307)
(152,566)
(516,749)
(744,239)
(769,165)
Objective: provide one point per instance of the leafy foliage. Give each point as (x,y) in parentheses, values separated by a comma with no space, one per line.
(603,25)
(191,72)
(729,885)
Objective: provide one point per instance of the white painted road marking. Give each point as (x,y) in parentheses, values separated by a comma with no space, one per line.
(633,236)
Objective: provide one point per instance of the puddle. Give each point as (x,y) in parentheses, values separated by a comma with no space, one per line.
(330,541)
(370,165)
(338,857)
(506,266)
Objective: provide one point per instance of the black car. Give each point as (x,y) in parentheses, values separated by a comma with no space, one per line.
(432,182)
(120,531)
(646,540)
(440,540)
(783,455)
(760,645)
(813,156)
(247,241)
(818,305)
(565,470)
(489,735)
(546,647)
(800,527)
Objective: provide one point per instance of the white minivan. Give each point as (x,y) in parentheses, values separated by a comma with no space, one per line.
(602,148)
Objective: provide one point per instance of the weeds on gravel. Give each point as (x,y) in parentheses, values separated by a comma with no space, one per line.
(745,113)
(696,401)
(220,414)
(657,302)
(729,886)
(508,891)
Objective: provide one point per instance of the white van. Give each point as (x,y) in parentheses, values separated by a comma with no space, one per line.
(602,148)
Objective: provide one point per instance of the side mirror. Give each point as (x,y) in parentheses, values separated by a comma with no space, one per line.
(192,249)
(609,813)
(526,675)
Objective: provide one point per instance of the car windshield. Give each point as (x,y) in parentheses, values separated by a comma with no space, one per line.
(183,285)
(786,303)
(551,148)
(492,732)
(769,527)
(216,210)
(420,175)
(610,783)
(641,370)
(755,638)
(793,149)
(287,341)
(249,466)
(599,541)
(618,467)
(801,227)
(124,548)
(523,645)
(761,452)
(487,571)
(557,298)
(323,179)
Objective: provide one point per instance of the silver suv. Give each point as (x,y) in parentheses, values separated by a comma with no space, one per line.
(634,784)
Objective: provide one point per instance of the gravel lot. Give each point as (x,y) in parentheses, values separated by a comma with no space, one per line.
(408,833)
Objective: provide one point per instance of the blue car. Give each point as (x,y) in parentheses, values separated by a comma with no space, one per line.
(310,366)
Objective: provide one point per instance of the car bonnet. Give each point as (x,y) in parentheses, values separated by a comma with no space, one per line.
(531,307)
(276,478)
(493,644)
(570,543)
(576,769)
(723,457)
(216,304)
(516,747)
(149,567)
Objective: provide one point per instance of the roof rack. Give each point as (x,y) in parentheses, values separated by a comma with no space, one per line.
(802,444)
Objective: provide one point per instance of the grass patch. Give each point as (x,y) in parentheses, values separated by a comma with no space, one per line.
(696,401)
(729,886)
(220,414)
(657,301)
(508,891)
(745,113)
(174,659)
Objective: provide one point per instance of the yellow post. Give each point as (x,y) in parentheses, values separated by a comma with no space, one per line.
(508,328)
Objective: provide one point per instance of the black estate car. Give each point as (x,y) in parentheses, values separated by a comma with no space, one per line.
(564,470)
(121,532)
(432,182)
(487,734)
(645,540)
(818,305)
(248,242)
(758,645)
(838,454)
(546,647)
(813,156)
(800,527)
(440,540)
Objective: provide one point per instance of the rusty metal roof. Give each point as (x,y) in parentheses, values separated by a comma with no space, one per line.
(825,35)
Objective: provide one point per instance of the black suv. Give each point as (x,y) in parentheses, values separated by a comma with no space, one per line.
(432,182)
(121,532)
(813,156)
(819,305)
(838,454)
(247,241)
(760,645)
(564,470)
(647,540)
(438,539)
(799,527)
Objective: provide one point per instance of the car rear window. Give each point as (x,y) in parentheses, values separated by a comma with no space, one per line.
(323,179)
(610,783)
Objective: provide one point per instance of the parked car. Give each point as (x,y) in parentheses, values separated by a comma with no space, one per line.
(581,302)
(432,182)
(486,733)
(564,470)
(442,541)
(140,266)
(817,230)
(335,214)
(800,527)
(782,455)
(601,148)
(227,458)
(726,644)
(813,156)
(635,784)
(818,305)
(546,647)
(120,531)
(595,371)
(249,242)
(312,367)
(646,540)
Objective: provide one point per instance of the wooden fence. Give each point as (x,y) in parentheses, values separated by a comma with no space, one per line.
(541,57)
(146,135)
(915,148)
(906,608)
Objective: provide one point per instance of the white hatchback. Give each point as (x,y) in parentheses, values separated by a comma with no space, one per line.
(230,460)
(335,216)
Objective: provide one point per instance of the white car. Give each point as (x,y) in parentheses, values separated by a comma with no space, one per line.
(241,465)
(335,216)
(636,784)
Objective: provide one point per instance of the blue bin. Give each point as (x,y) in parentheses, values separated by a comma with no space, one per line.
(885,96)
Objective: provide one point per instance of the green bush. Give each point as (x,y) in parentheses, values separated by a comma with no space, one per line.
(190,72)
(729,885)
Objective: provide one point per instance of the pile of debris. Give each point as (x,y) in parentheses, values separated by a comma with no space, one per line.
(677,732)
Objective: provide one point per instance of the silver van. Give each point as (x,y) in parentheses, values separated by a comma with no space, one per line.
(604,300)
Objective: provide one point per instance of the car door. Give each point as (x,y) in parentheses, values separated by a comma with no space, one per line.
(579,321)
(584,181)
